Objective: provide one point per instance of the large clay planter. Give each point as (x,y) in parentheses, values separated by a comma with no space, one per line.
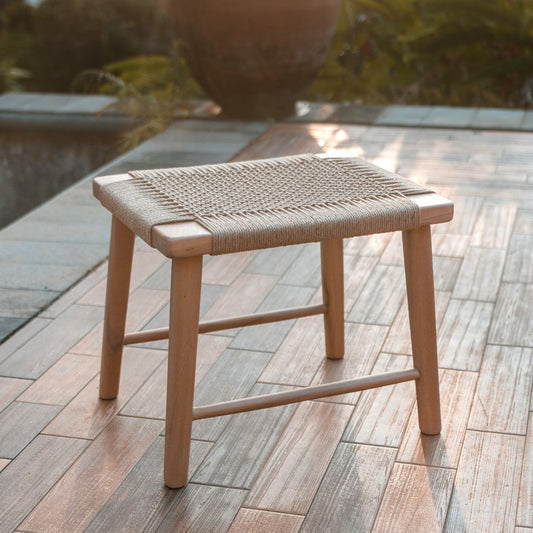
(255,58)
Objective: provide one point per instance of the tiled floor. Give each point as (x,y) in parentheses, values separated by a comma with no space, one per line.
(350,463)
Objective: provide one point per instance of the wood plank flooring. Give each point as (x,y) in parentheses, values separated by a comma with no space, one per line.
(353,463)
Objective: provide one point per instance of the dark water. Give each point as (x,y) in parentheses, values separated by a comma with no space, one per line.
(36,165)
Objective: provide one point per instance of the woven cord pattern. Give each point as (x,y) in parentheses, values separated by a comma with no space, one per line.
(268,203)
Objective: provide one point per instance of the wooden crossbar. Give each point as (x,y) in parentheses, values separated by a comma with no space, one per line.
(308,393)
(229,323)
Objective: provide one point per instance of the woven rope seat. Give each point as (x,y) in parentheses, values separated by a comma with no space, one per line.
(267,203)
(188,212)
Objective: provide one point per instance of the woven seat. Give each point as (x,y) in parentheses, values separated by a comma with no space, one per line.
(219,209)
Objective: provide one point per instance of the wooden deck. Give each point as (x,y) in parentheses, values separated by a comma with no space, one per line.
(356,462)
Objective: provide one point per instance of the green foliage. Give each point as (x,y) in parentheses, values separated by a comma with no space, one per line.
(11,76)
(153,89)
(455,52)
(16,22)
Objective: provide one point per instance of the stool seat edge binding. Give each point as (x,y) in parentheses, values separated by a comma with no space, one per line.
(186,242)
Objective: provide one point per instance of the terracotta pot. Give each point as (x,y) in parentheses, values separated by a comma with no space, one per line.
(255,58)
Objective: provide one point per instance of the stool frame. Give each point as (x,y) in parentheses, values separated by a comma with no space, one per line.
(185,243)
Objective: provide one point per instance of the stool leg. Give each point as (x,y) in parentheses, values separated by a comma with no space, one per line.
(331,254)
(421,301)
(183,341)
(116,305)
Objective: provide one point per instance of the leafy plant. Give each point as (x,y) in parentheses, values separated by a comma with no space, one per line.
(458,52)
(153,89)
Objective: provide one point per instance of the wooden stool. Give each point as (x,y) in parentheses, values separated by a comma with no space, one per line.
(253,205)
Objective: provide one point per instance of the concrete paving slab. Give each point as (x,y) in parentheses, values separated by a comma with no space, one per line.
(10,324)
(42,253)
(498,118)
(313,112)
(24,302)
(30,229)
(55,103)
(403,115)
(357,114)
(527,123)
(55,278)
(450,117)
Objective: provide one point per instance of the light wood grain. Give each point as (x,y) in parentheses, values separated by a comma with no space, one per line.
(47,346)
(32,474)
(245,444)
(332,263)
(10,388)
(299,356)
(116,307)
(380,415)
(305,269)
(445,271)
(421,306)
(143,266)
(20,423)
(185,290)
(59,384)
(143,304)
(224,269)
(393,253)
(494,225)
(463,334)
(351,489)
(242,297)
(399,337)
(512,322)
(268,337)
(363,343)
(357,271)
(492,305)
(231,377)
(381,297)
(202,508)
(519,264)
(477,503)
(416,499)
(503,393)
(450,245)
(265,522)
(290,477)
(86,415)
(367,245)
(141,501)
(95,475)
(457,391)
(289,139)
(479,277)
(467,209)
(524,222)
(524,515)
(149,401)
(273,261)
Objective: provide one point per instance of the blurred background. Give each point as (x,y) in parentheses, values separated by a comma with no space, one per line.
(434,52)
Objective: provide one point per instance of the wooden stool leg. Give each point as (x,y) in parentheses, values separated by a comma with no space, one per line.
(116,306)
(331,253)
(183,341)
(421,300)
